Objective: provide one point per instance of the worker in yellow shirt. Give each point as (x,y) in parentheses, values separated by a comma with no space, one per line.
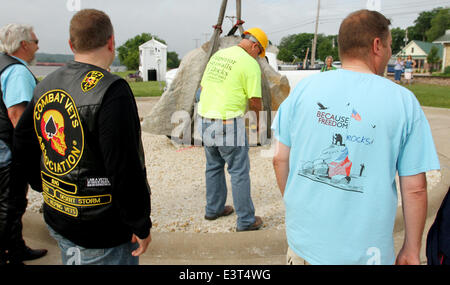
(232,79)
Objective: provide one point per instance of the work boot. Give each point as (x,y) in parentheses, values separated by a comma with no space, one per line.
(25,253)
(228,210)
(255,226)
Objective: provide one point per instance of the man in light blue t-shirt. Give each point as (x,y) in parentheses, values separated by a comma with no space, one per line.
(18,46)
(341,137)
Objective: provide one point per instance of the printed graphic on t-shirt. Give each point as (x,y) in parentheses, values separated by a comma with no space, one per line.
(218,68)
(335,164)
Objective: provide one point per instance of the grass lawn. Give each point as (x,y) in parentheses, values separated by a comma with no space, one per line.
(431,95)
(144,89)
(147,89)
(427,94)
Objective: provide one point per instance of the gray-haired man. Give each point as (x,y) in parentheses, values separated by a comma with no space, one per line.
(18,45)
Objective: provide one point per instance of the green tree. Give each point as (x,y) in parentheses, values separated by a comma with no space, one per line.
(439,23)
(294,47)
(325,48)
(172,60)
(413,34)
(433,58)
(286,55)
(423,24)
(129,51)
(398,37)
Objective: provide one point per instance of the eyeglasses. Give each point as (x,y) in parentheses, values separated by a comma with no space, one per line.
(35,41)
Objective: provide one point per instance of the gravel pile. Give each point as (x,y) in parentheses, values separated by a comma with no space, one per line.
(177,179)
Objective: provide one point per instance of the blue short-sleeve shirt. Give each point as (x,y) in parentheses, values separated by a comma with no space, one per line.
(349,133)
(17,84)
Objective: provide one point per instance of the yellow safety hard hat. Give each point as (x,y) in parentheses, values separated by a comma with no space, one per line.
(261,37)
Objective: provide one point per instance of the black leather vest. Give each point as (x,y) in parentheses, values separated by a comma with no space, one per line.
(74,179)
(6,127)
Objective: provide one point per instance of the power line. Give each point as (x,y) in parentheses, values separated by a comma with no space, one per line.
(386,10)
(292,27)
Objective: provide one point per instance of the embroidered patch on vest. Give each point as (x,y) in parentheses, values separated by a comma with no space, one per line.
(59,131)
(90,80)
(98,182)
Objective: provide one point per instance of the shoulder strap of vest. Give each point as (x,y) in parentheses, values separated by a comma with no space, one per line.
(7,60)
(6,127)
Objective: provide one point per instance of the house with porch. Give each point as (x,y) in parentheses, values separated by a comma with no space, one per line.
(444,40)
(419,50)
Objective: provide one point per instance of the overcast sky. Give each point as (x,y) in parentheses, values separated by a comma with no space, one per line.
(184,24)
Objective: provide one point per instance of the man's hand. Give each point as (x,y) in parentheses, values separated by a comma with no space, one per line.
(407,257)
(143,244)
(255,105)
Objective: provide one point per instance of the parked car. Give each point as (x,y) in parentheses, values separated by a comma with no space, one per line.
(391,65)
(336,64)
(391,68)
(137,74)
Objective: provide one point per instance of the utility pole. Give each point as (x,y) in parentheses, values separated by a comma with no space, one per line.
(406,37)
(196,42)
(206,36)
(313,50)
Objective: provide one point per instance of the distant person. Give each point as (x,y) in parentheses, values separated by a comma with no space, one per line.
(339,192)
(328,64)
(398,69)
(409,65)
(91,169)
(18,46)
(231,80)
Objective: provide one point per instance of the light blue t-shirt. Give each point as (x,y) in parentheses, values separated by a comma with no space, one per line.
(348,135)
(17,84)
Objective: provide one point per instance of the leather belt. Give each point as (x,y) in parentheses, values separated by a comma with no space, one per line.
(225,122)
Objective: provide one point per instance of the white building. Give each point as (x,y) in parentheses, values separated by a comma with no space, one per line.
(419,50)
(153,61)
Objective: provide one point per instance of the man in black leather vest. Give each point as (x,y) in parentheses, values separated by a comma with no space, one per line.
(18,45)
(80,141)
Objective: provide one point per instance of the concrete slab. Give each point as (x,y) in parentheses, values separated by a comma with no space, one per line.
(439,119)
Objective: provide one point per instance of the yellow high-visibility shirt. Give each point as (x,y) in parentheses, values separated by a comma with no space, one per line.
(231,77)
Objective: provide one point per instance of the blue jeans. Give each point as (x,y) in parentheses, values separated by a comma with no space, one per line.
(5,154)
(398,74)
(227,143)
(73,254)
